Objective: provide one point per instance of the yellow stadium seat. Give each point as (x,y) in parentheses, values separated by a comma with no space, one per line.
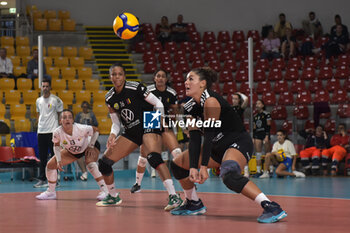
(16,60)
(77,62)
(22,125)
(30,96)
(63,14)
(40,24)
(61,61)
(7,83)
(7,40)
(12,96)
(92,84)
(54,72)
(75,84)
(58,84)
(36,85)
(68,25)
(104,125)
(55,25)
(66,96)
(69,51)
(100,110)
(36,47)
(49,14)
(37,14)
(22,40)
(82,95)
(68,73)
(24,84)
(48,61)
(2,110)
(25,60)
(10,50)
(23,50)
(98,96)
(54,51)
(18,111)
(84,73)
(18,70)
(85,52)
(33,113)
(76,108)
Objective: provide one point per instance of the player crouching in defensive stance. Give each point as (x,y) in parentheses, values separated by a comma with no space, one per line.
(226,145)
(74,138)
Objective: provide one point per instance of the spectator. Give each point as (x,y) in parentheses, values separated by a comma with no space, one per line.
(239,103)
(337,43)
(32,67)
(6,66)
(338,21)
(271,46)
(315,142)
(179,30)
(284,156)
(312,26)
(288,48)
(339,146)
(280,27)
(86,117)
(164,31)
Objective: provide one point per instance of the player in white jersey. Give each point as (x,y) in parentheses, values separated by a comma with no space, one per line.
(74,138)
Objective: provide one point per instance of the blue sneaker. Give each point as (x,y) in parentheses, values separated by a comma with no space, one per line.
(190,208)
(272,212)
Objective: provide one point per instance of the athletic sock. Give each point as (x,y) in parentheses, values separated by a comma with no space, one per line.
(191,194)
(102,185)
(258,169)
(139,177)
(52,187)
(260,198)
(169,185)
(111,190)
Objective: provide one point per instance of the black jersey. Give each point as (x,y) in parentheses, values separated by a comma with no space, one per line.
(230,120)
(240,111)
(168,97)
(260,121)
(129,103)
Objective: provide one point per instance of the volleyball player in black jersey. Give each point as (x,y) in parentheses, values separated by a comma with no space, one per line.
(168,97)
(126,102)
(226,145)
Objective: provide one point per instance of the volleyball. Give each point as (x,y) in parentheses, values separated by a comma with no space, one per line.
(281,156)
(126,26)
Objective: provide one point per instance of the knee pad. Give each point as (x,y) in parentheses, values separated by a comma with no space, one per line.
(105,166)
(178,172)
(154,159)
(230,172)
(176,152)
(51,174)
(142,162)
(93,169)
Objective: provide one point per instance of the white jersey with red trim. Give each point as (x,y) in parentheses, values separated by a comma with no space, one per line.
(75,143)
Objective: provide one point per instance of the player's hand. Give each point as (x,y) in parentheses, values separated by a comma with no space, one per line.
(194,175)
(111,141)
(266,140)
(59,166)
(203,174)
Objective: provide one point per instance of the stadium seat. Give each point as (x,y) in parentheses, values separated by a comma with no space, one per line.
(241,55)
(179,55)
(149,56)
(68,73)
(309,124)
(55,25)
(303,97)
(263,86)
(12,96)
(100,110)
(279,112)
(140,47)
(262,64)
(29,97)
(63,14)
(339,96)
(2,109)
(286,98)
(223,36)
(215,65)
(257,54)
(343,110)
(197,63)
(16,60)
(311,62)
(22,125)
(22,41)
(346,84)
(150,67)
(225,55)
(150,37)
(19,70)
(230,64)
(76,62)
(18,111)
(68,24)
(333,85)
(229,88)
(238,36)
(7,83)
(24,84)
(254,34)
(278,63)
(40,24)
(7,40)
(287,126)
(164,56)
(104,125)
(191,27)
(298,86)
(242,75)
(171,47)
(10,50)
(210,55)
(275,74)
(280,86)
(342,72)
(208,36)
(231,45)
(259,75)
(92,84)
(50,14)
(69,51)
(194,37)
(48,61)
(75,84)
(25,61)
(226,76)
(54,51)
(182,66)
(309,73)
(167,66)
(323,62)
(195,55)
(200,46)
(179,87)
(329,127)
(315,85)
(98,96)
(244,88)
(82,95)
(269,98)
(156,47)
(295,62)
(215,87)
(85,52)
(58,84)
(54,72)
(243,65)
(215,46)
(36,47)
(301,112)
(61,62)
(23,50)
(343,60)
(177,77)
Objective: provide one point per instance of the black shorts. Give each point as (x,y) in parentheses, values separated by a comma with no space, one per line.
(78,156)
(136,133)
(260,135)
(240,141)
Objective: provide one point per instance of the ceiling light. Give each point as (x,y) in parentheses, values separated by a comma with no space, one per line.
(3,3)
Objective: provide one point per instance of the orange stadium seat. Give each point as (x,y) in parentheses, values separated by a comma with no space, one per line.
(85,52)
(16,60)
(55,25)
(98,96)
(50,14)
(66,96)
(61,62)
(63,14)
(48,61)
(12,96)
(104,125)
(29,97)
(24,84)
(10,50)
(19,70)
(22,125)
(76,61)
(54,72)
(22,40)
(68,73)
(18,111)
(69,51)
(36,14)
(23,50)
(92,84)
(84,73)
(7,83)
(75,84)
(81,95)
(54,51)
(36,47)
(7,40)
(40,24)
(25,60)
(58,84)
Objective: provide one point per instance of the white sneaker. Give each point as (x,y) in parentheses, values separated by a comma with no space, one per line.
(84,176)
(299,174)
(264,175)
(153,173)
(101,195)
(47,195)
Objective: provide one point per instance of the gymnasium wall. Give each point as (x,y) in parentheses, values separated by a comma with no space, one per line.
(206,14)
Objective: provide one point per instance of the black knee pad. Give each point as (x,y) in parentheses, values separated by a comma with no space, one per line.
(105,166)
(235,181)
(154,159)
(178,172)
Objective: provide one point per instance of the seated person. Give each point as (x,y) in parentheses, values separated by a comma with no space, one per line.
(32,67)
(280,27)
(163,31)
(337,43)
(337,152)
(312,26)
(271,46)
(288,49)
(6,66)
(284,156)
(338,21)
(315,142)
(179,30)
